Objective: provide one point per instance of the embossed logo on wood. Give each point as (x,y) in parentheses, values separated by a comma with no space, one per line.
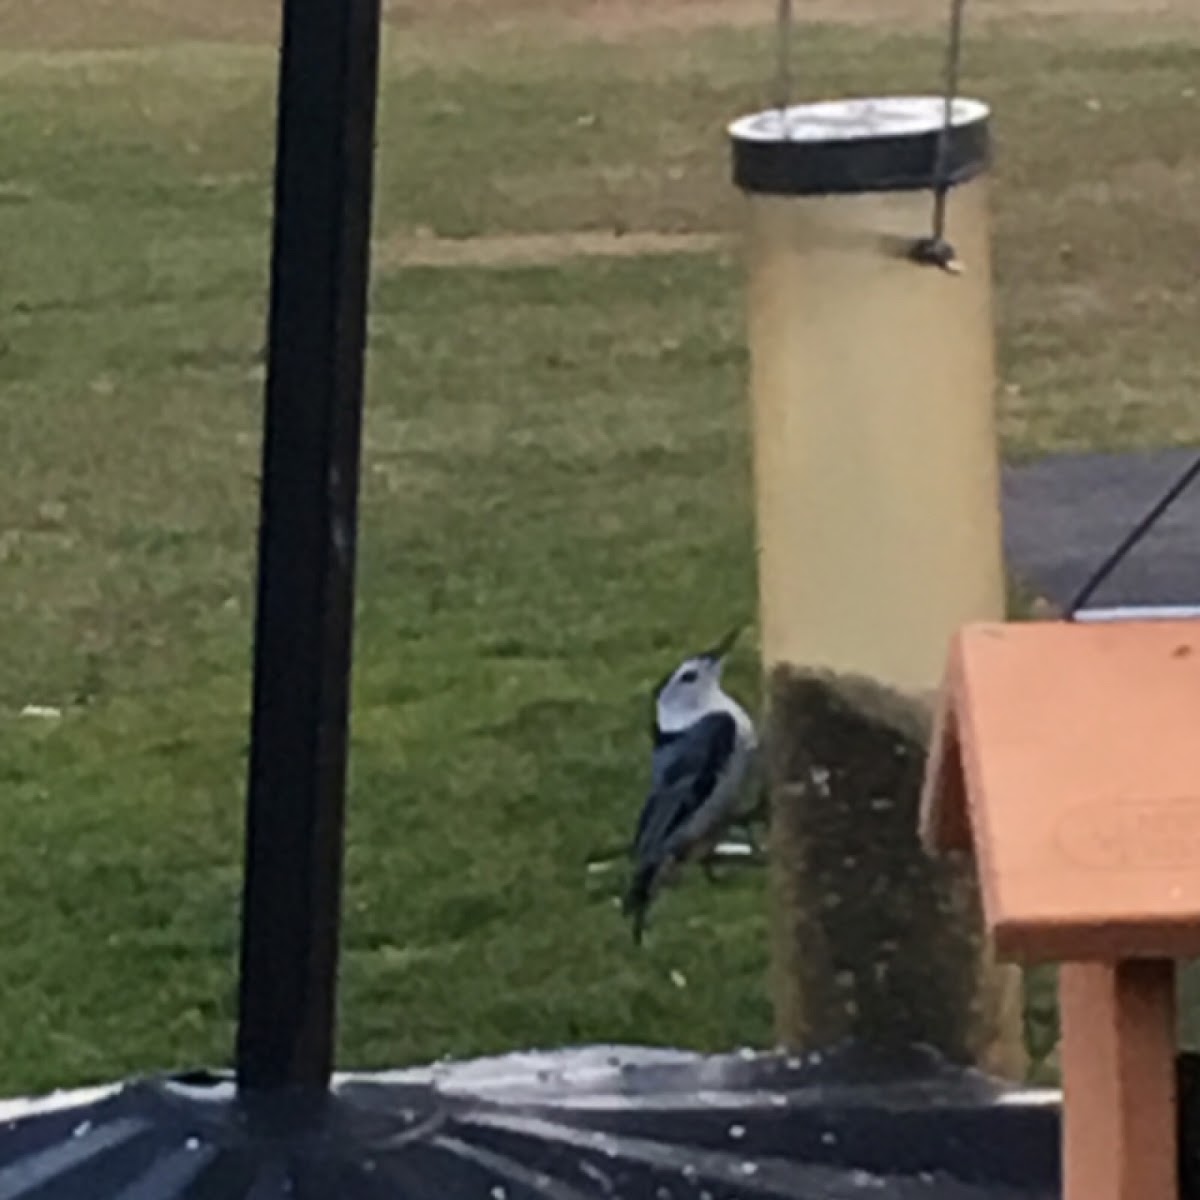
(1133,835)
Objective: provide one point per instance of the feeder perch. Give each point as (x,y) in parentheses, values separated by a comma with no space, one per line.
(1066,759)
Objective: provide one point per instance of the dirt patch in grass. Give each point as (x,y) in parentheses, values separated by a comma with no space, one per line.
(112,24)
(629,17)
(105,24)
(539,249)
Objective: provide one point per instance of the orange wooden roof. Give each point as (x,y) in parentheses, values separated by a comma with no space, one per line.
(1067,757)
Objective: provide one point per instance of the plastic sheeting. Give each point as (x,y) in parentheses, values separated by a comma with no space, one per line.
(626,1123)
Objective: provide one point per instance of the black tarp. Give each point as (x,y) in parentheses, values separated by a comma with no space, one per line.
(632,1124)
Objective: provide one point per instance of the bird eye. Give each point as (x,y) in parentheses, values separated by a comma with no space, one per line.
(689,676)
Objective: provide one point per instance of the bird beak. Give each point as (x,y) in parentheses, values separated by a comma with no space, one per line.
(722,648)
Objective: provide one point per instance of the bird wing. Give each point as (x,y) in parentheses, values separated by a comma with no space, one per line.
(686,767)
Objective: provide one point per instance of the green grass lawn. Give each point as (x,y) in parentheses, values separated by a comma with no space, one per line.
(556,504)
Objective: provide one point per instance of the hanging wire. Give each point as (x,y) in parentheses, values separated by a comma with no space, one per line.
(783,60)
(935,250)
(1133,538)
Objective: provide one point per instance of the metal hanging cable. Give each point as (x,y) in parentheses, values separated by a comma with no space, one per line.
(935,250)
(783,61)
(1133,538)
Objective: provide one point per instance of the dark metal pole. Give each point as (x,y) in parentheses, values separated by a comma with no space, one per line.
(294,830)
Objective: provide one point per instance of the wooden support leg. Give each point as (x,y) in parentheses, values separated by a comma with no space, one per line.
(1118,1065)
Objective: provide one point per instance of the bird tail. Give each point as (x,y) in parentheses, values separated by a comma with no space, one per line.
(639,897)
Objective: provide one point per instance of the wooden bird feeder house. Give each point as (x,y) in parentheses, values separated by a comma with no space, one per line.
(1066,758)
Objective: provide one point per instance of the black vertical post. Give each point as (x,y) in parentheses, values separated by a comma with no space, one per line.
(310,466)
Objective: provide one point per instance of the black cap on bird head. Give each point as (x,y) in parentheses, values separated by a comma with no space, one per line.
(714,655)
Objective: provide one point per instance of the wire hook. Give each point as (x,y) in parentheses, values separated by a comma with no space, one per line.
(935,250)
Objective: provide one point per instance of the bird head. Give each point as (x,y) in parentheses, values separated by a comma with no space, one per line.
(694,687)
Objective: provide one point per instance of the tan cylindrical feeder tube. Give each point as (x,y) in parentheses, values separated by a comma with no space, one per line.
(878,519)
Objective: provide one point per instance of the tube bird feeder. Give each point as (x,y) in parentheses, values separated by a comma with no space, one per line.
(877,496)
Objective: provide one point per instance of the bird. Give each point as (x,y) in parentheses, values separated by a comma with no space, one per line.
(704,745)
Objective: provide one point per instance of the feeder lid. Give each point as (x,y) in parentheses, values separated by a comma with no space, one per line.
(864,144)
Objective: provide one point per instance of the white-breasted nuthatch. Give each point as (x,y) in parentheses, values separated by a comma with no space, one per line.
(704,743)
